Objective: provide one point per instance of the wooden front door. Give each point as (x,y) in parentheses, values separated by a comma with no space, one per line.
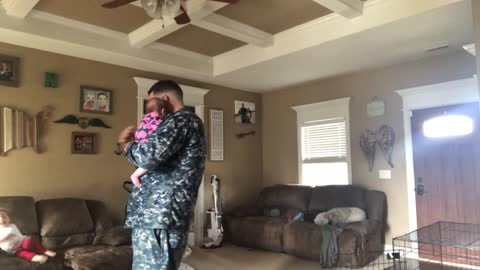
(447,169)
(447,176)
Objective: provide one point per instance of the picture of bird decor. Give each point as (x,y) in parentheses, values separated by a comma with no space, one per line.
(83,122)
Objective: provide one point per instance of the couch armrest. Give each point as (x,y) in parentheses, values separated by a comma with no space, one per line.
(364,227)
(245,211)
(116,236)
(376,205)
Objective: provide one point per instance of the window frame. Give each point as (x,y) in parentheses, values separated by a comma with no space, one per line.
(320,111)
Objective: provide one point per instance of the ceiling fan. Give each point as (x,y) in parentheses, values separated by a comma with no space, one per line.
(160,9)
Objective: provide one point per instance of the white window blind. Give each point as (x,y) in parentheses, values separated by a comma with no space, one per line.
(324,141)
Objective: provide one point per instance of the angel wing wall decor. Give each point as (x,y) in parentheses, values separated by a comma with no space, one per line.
(83,122)
(384,137)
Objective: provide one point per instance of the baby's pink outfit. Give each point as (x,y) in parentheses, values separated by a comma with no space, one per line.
(147,126)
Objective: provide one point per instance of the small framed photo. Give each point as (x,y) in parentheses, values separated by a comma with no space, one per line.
(9,73)
(84,143)
(95,100)
(244,112)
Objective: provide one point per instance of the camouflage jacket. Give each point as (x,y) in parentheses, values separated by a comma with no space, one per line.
(175,157)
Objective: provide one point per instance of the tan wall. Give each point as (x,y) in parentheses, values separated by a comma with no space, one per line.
(58,173)
(279,129)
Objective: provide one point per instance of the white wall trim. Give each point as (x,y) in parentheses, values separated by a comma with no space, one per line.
(194,97)
(429,96)
(347,8)
(77,25)
(323,110)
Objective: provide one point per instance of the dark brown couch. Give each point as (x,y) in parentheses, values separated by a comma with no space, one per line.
(360,242)
(79,230)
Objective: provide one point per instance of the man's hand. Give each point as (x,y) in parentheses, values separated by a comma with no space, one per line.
(127,135)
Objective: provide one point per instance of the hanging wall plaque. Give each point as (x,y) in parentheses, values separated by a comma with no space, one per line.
(376,107)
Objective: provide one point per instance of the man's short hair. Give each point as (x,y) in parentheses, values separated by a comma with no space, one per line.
(101,94)
(167,86)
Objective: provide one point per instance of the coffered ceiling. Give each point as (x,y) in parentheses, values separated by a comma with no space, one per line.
(221,44)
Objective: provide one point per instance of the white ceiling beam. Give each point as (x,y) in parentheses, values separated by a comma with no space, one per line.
(156,29)
(47,32)
(347,8)
(236,30)
(19,8)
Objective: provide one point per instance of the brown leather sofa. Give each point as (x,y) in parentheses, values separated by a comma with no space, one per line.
(79,230)
(361,242)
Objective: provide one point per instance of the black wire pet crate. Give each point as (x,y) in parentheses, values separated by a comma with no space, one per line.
(440,246)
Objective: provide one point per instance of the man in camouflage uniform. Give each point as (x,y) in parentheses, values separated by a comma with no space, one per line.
(160,211)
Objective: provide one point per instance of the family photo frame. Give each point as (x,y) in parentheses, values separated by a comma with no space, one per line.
(84,143)
(95,100)
(9,71)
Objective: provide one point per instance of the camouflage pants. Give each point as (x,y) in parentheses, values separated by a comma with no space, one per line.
(155,249)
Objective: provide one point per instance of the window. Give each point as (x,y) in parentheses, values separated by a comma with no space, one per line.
(324,144)
(448,126)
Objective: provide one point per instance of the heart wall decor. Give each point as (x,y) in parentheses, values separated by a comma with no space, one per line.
(384,137)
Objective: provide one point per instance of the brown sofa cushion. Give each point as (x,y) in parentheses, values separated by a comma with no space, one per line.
(101,217)
(59,242)
(286,198)
(328,197)
(257,232)
(116,236)
(22,212)
(64,217)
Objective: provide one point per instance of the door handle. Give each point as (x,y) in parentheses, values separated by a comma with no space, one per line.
(420,189)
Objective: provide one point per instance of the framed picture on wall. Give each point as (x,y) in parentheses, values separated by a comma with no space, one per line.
(84,143)
(95,100)
(216,135)
(9,73)
(244,112)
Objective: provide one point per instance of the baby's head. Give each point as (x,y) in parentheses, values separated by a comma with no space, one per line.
(4,218)
(157,105)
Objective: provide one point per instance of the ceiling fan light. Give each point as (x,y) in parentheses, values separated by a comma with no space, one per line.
(171,8)
(161,9)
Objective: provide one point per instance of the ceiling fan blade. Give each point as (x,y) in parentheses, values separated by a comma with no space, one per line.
(183,18)
(117,3)
(227,1)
